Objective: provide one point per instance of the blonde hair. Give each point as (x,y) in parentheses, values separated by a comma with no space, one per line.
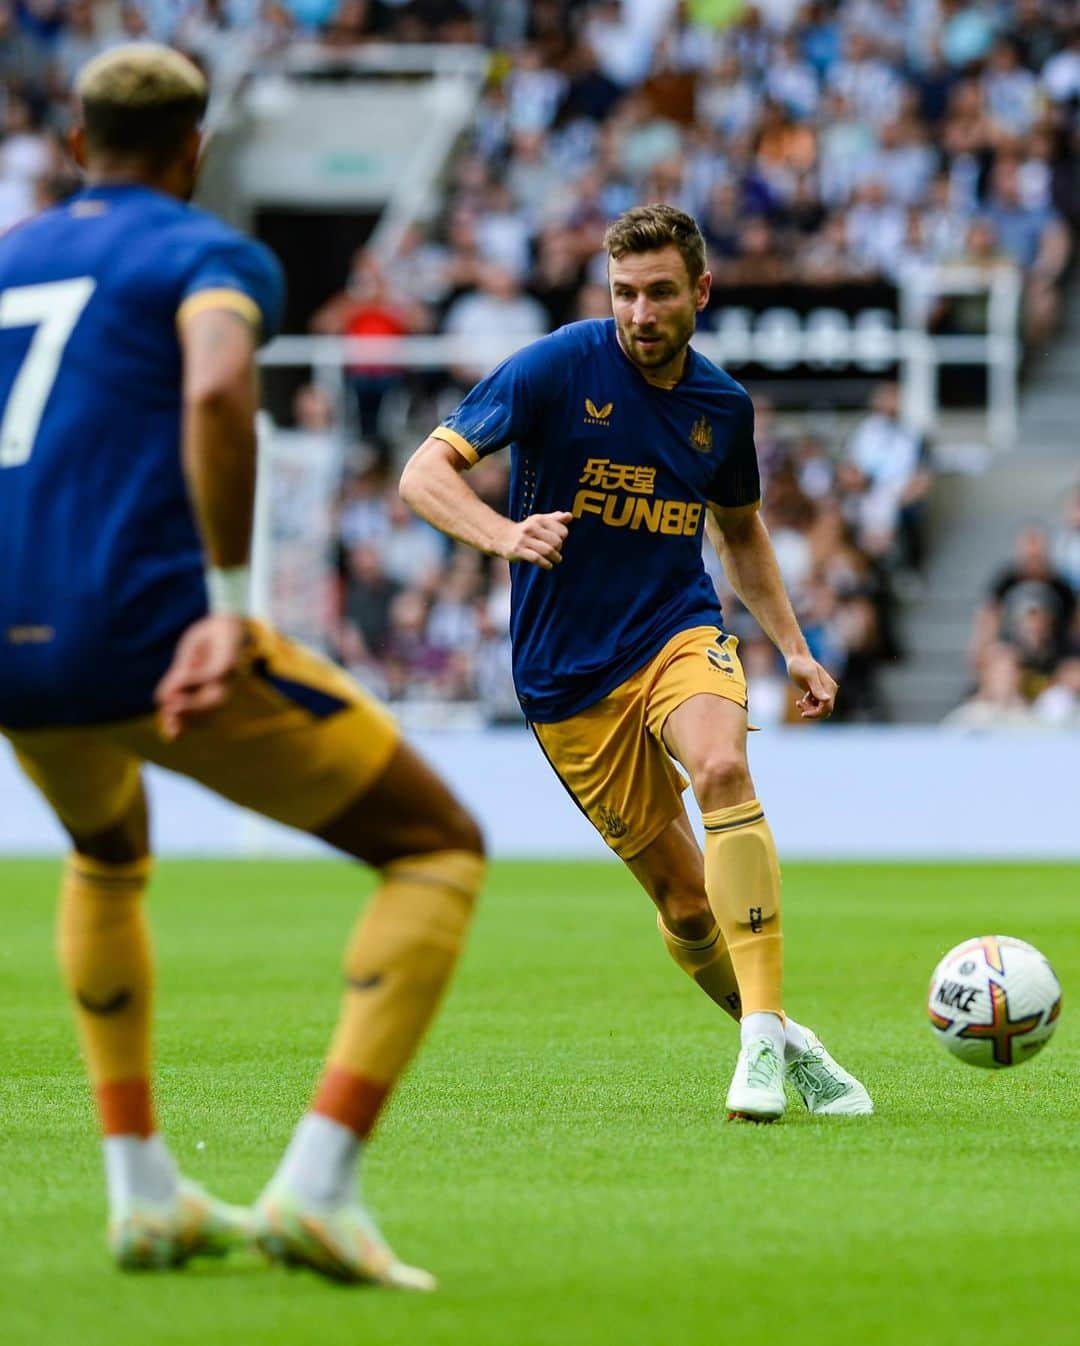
(650,228)
(140,101)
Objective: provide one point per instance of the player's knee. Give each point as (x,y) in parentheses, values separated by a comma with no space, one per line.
(459,831)
(722,778)
(682,903)
(688,916)
(123,843)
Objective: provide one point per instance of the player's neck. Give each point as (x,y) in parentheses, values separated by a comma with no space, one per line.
(663,376)
(128,175)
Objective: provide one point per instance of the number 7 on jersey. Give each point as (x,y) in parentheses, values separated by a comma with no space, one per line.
(53,308)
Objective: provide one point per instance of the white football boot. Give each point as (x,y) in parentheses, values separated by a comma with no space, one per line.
(151,1235)
(827,1089)
(757,1088)
(340,1241)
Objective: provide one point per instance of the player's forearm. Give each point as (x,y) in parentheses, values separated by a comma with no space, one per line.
(219,460)
(220,400)
(438,493)
(750,564)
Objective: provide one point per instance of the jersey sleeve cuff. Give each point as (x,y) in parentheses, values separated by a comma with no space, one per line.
(457,442)
(233,301)
(755,505)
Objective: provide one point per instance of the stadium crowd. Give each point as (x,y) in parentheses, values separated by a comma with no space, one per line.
(820,143)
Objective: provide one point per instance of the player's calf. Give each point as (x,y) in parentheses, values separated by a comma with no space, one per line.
(397,966)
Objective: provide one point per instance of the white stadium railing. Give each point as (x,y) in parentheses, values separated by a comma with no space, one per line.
(776,338)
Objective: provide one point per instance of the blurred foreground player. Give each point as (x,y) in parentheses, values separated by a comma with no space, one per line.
(128,326)
(624,441)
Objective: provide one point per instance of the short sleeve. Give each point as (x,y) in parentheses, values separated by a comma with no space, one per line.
(507,404)
(242,276)
(737,481)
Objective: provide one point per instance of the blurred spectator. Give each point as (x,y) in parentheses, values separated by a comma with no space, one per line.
(1031,607)
(365,618)
(1061,73)
(363,517)
(1032,635)
(367,308)
(496,309)
(1011,92)
(453,621)
(997,702)
(411,551)
(1058,704)
(494,680)
(1037,240)
(892,463)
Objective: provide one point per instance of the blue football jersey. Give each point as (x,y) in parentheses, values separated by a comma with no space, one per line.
(638,466)
(101,566)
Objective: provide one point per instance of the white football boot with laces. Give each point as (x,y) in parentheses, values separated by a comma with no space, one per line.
(757,1088)
(827,1089)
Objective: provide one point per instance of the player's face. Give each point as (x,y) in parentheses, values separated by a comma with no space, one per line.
(656,307)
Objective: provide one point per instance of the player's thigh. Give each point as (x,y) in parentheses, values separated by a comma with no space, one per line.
(697,708)
(302,743)
(671,870)
(94,786)
(408,810)
(616,772)
(707,735)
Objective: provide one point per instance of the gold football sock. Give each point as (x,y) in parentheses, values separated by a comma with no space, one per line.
(708,962)
(103,942)
(742,879)
(397,965)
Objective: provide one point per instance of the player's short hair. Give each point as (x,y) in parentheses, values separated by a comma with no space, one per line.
(650,228)
(141,101)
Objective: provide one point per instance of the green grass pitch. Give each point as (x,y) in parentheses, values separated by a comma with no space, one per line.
(558,1154)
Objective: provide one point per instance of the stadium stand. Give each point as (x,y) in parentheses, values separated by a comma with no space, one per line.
(831,151)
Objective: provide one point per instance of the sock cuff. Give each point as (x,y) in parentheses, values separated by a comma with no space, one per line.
(738,815)
(351,1100)
(691,945)
(126,1107)
(462,871)
(133,873)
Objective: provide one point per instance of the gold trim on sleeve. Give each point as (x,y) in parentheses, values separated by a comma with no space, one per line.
(234,301)
(458,442)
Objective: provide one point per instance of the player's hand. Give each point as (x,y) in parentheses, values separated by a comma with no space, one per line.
(817,687)
(202,672)
(537,539)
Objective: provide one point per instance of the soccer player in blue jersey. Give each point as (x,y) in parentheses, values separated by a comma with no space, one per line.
(128,327)
(625,443)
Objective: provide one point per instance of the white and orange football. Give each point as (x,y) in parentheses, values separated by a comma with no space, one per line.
(994,1001)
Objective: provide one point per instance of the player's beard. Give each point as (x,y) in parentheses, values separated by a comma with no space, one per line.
(673,338)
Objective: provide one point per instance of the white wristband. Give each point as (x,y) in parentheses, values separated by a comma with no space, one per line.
(229,590)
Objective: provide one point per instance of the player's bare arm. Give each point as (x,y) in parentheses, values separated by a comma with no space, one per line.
(743,544)
(219,453)
(434,486)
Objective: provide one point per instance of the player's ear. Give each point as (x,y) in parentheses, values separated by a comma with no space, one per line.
(704,286)
(193,150)
(189,163)
(77,144)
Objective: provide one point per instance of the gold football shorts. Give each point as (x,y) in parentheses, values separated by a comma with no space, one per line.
(611,757)
(296,741)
